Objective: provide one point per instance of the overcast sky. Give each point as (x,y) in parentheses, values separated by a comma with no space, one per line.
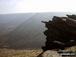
(24,6)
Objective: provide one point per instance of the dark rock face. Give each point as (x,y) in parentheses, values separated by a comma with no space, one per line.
(60,33)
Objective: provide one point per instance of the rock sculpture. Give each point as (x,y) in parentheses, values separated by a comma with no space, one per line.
(60,33)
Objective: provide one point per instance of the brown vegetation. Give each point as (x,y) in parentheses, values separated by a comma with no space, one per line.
(29,53)
(19,53)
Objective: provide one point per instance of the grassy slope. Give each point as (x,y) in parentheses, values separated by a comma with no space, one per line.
(28,53)
(19,53)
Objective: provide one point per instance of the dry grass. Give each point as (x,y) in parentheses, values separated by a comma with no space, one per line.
(28,53)
(19,53)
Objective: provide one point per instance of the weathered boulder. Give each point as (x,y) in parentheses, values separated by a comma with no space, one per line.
(60,33)
(50,53)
